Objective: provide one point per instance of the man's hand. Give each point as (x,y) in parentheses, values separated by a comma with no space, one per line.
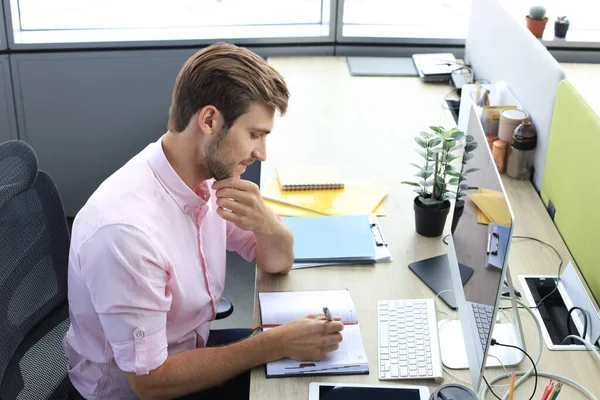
(310,337)
(241,203)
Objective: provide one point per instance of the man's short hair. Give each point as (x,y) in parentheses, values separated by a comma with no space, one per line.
(229,78)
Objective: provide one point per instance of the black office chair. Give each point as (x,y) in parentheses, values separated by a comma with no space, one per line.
(34,247)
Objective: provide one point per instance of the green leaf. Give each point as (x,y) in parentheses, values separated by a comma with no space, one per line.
(451,157)
(469,138)
(435,141)
(468,156)
(421,142)
(437,129)
(453,173)
(422,153)
(424,135)
(470,170)
(410,183)
(463,186)
(471,146)
(427,183)
(436,150)
(457,135)
(450,168)
(415,165)
(453,181)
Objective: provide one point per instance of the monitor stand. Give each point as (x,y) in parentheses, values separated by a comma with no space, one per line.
(435,273)
(452,342)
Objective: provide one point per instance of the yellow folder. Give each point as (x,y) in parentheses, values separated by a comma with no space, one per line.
(491,206)
(355,198)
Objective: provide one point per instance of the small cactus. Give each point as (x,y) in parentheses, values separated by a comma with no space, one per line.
(537,12)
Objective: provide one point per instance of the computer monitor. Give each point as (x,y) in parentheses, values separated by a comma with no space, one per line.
(483,246)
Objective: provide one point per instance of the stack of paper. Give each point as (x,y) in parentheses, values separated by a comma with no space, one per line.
(347,239)
(354,198)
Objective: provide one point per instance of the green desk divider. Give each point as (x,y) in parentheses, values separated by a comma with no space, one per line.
(572,182)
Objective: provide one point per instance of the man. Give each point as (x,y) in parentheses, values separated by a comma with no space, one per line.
(147,257)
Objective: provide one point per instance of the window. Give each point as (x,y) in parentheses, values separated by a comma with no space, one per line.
(39,21)
(583,15)
(434,19)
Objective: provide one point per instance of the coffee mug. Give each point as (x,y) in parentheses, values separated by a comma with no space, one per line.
(509,120)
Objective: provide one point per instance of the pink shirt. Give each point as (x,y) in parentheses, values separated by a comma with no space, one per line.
(146,273)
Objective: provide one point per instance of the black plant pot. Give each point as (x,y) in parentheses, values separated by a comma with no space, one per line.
(560,29)
(430,221)
(458,212)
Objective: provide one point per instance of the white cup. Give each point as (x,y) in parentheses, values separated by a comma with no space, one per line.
(510,118)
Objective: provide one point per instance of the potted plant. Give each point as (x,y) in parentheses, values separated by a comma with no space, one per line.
(437,148)
(561,26)
(459,207)
(536,20)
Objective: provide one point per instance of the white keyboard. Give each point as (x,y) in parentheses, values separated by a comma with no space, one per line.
(409,346)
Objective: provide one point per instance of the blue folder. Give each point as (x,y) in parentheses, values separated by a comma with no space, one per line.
(347,238)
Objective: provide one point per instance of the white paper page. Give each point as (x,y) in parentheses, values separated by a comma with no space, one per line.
(349,356)
(282,307)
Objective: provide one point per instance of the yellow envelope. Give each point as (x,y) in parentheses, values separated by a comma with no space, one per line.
(355,198)
(492,205)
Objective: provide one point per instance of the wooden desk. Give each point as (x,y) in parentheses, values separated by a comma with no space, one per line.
(366,126)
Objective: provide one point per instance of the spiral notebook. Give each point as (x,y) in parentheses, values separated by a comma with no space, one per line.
(304,177)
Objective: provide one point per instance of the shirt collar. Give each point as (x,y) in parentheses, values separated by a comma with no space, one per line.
(186,198)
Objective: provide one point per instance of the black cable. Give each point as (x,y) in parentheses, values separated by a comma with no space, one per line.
(489,387)
(494,342)
(559,265)
(585,323)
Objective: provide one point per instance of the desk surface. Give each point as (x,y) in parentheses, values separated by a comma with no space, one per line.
(366,126)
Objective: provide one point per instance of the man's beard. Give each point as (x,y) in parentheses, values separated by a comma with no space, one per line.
(216,158)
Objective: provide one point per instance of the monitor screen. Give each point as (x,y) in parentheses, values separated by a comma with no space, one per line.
(480,241)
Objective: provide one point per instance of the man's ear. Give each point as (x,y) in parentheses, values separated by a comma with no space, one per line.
(210,120)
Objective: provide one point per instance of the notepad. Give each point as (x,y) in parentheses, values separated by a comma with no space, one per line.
(305,177)
(347,238)
(281,307)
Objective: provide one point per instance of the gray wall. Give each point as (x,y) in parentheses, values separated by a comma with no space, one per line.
(85,114)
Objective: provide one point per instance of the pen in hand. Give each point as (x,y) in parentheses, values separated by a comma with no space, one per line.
(327,314)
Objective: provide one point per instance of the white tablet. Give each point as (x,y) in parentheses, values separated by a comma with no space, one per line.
(355,391)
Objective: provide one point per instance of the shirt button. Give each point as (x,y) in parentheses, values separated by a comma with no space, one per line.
(139,334)
(186,207)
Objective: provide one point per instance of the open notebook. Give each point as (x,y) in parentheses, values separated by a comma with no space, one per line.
(281,307)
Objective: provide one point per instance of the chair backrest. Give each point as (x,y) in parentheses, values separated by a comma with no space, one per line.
(34,246)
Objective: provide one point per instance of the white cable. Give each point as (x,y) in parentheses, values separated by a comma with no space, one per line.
(587,343)
(438,296)
(526,374)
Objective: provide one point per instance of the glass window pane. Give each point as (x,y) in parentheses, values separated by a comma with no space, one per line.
(128,14)
(406,19)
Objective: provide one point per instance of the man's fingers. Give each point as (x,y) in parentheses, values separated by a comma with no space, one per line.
(331,348)
(333,327)
(235,183)
(232,205)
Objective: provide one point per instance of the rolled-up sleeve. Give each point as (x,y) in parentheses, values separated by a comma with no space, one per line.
(127,277)
(241,241)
